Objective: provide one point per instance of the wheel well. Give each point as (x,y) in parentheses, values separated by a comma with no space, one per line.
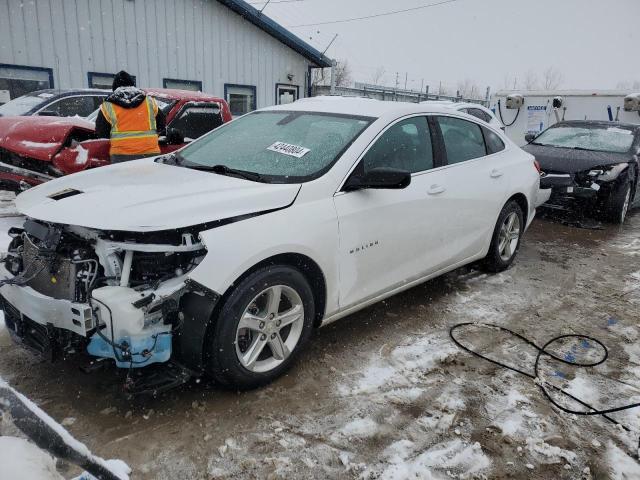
(521,200)
(309,268)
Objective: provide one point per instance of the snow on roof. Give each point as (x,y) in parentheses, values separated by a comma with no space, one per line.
(361,106)
(176,94)
(263,22)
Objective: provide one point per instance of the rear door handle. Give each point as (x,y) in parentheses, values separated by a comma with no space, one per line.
(495,173)
(435,189)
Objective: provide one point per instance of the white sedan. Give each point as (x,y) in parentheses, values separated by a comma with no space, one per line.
(224,256)
(473,109)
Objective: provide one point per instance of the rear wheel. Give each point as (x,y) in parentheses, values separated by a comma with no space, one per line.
(619,203)
(261,328)
(506,238)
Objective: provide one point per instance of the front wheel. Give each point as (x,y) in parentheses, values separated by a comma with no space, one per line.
(261,328)
(506,238)
(619,203)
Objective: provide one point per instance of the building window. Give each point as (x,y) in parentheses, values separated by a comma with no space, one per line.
(193,85)
(286,93)
(17,80)
(241,98)
(103,80)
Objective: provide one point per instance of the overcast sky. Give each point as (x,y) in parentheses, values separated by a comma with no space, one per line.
(594,43)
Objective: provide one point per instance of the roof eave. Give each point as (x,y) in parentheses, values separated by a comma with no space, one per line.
(277,31)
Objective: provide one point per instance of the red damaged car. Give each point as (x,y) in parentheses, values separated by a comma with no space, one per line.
(36,149)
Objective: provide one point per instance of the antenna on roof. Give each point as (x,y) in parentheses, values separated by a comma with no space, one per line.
(330,43)
(264,6)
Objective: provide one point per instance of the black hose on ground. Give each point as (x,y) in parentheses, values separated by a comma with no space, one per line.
(543,384)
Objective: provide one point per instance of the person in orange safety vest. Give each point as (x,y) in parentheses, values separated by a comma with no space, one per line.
(131,120)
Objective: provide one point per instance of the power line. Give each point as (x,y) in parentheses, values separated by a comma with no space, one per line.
(394,12)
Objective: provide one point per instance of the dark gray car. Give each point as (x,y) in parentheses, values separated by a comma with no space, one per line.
(590,166)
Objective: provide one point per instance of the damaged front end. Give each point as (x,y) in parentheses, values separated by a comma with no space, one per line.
(115,295)
(584,190)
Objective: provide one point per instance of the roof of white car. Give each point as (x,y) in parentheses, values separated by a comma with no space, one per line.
(361,106)
(456,105)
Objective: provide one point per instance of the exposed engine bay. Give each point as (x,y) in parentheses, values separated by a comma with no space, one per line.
(116,295)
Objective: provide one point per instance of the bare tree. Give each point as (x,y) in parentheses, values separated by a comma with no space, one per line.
(320,76)
(443,89)
(378,75)
(468,89)
(342,71)
(628,85)
(509,82)
(530,81)
(552,78)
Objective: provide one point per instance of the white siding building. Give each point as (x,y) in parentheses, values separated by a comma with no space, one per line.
(222,47)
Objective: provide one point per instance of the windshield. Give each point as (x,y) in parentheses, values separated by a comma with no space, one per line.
(21,105)
(281,146)
(593,137)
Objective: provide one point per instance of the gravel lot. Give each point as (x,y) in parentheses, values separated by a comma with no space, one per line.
(385,393)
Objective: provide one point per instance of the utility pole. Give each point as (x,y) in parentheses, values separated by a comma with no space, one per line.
(406,77)
(334,64)
(396,89)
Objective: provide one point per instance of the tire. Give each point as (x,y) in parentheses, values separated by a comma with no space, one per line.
(501,255)
(231,357)
(619,203)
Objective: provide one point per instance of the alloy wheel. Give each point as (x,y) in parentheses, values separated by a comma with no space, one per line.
(269,329)
(509,236)
(625,205)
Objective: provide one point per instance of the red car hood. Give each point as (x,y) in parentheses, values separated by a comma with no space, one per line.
(38,137)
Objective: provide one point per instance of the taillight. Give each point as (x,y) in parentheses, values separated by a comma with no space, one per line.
(537,165)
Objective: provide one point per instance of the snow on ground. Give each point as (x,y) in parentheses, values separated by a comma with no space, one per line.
(120,469)
(22,460)
(386,394)
(9,217)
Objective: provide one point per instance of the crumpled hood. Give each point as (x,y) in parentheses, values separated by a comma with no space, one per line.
(567,160)
(38,137)
(127,97)
(143,196)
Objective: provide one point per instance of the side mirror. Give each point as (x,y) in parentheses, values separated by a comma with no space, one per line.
(174,136)
(530,137)
(381,177)
(48,113)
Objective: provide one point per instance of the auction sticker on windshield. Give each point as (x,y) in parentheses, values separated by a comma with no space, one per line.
(289,149)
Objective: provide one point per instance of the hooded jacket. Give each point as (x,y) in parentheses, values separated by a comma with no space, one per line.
(127,97)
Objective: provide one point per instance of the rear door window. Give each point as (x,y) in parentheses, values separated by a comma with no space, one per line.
(463,140)
(493,141)
(482,115)
(405,146)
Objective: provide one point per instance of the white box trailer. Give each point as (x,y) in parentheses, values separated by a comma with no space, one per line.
(532,111)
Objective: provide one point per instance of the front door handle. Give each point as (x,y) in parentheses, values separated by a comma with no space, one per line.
(435,189)
(495,173)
